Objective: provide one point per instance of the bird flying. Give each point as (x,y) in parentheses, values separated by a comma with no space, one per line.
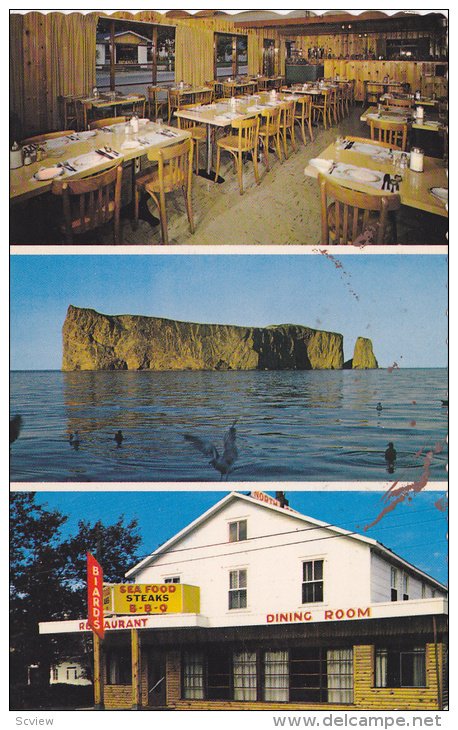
(224,463)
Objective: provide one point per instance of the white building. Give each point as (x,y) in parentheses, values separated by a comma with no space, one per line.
(293,613)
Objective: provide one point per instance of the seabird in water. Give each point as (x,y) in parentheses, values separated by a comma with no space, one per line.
(223,463)
(118,437)
(15,428)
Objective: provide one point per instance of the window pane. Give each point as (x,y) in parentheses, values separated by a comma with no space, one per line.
(318,570)
(244,666)
(242,579)
(242,55)
(223,55)
(276,676)
(193,676)
(413,670)
(233,532)
(242,529)
(340,675)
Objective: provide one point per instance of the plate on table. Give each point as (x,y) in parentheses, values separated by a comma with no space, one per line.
(363,176)
(87,135)
(48,173)
(130,144)
(143,121)
(441,193)
(320,164)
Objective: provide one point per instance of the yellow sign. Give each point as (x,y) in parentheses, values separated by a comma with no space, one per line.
(148,598)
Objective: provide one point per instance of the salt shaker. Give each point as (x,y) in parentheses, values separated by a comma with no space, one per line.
(416,159)
(15,156)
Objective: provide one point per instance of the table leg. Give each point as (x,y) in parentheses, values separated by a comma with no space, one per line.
(144,212)
(208,173)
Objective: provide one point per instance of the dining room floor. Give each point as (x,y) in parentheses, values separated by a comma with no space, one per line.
(283,210)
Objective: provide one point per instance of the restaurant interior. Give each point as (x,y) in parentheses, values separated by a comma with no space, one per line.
(170,128)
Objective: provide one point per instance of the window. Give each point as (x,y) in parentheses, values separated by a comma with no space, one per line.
(231,55)
(55,674)
(276,676)
(405,587)
(400,667)
(237,531)
(423,590)
(321,675)
(394,584)
(237,589)
(268,57)
(134,55)
(172,579)
(193,676)
(72,673)
(219,674)
(312,581)
(244,673)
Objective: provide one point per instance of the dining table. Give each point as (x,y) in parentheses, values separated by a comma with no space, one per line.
(241,86)
(402,115)
(422,101)
(221,114)
(83,154)
(414,188)
(110,99)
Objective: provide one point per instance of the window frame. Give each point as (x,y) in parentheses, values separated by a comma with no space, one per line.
(234,54)
(394,583)
(393,676)
(237,524)
(316,583)
(121,23)
(238,589)
(175,579)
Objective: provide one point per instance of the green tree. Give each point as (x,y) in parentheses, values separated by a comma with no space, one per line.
(48,580)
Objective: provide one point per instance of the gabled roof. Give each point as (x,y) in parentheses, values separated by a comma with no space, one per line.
(374,545)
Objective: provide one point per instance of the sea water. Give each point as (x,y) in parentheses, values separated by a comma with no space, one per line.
(320,425)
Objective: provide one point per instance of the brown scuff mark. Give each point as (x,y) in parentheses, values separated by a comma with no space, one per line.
(339,265)
(396,495)
(392,367)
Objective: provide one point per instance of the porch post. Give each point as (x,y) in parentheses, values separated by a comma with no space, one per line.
(136,673)
(98,673)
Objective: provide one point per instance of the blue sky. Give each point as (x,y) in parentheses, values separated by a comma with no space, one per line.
(415,530)
(398,301)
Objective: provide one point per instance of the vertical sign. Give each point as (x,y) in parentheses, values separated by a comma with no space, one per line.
(94,595)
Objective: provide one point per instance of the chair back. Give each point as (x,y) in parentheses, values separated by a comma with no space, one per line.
(303,107)
(90,203)
(351,212)
(203,97)
(247,132)
(406,103)
(272,121)
(38,138)
(174,165)
(288,109)
(395,133)
(157,99)
(107,122)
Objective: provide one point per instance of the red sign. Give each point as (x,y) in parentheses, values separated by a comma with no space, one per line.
(95,596)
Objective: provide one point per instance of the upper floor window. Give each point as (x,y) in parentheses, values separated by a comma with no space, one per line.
(237,531)
(172,579)
(405,587)
(394,584)
(55,674)
(312,581)
(237,589)
(72,673)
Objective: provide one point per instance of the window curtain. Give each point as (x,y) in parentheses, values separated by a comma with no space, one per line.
(255,54)
(193,55)
(276,676)
(193,677)
(340,675)
(72,53)
(381,668)
(245,676)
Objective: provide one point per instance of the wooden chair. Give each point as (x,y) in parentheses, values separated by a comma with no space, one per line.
(198,132)
(138,107)
(174,102)
(158,102)
(39,138)
(107,122)
(270,129)
(68,112)
(406,103)
(395,133)
(245,140)
(228,89)
(321,108)
(354,215)
(303,115)
(203,97)
(288,110)
(90,203)
(174,172)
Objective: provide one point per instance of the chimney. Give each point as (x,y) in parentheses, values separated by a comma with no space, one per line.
(280,497)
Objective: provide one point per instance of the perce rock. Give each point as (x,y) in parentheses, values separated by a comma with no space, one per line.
(93,341)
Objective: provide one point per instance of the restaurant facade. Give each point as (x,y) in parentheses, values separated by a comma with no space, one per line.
(254,606)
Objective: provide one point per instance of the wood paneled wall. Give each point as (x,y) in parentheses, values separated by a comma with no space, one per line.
(420,75)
